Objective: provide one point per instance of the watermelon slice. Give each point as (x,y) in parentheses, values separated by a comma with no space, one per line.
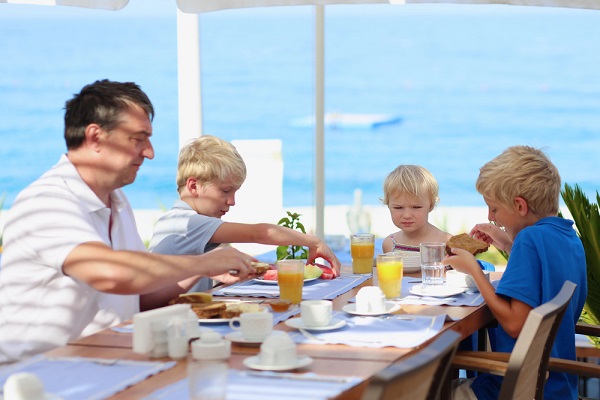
(328,272)
(270,275)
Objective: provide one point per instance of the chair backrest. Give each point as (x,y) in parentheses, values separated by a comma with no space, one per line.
(528,363)
(418,377)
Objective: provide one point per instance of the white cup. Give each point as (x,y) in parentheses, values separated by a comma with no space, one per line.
(25,386)
(278,349)
(254,326)
(316,313)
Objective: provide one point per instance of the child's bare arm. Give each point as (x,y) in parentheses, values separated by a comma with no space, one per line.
(510,313)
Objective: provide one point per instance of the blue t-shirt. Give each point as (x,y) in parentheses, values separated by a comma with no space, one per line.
(542,258)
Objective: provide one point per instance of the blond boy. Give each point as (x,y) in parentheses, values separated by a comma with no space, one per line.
(209,174)
(521,188)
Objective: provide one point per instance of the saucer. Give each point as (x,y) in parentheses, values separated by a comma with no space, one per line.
(389,308)
(436,290)
(254,363)
(299,324)
(238,337)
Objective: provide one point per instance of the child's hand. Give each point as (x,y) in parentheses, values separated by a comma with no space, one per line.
(493,235)
(462,261)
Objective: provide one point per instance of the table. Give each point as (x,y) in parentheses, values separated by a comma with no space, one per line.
(328,359)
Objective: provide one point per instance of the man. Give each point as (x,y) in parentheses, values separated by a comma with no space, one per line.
(73,261)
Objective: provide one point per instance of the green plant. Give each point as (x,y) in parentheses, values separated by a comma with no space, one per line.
(587,221)
(292,221)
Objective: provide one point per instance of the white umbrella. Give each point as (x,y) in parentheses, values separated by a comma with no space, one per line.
(189,93)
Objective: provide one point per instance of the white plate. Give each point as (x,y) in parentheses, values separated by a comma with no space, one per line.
(389,308)
(436,290)
(238,337)
(254,363)
(268,282)
(223,320)
(299,324)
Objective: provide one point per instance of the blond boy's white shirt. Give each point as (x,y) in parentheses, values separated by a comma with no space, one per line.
(40,307)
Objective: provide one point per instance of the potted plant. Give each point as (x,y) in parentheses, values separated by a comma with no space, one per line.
(587,221)
(292,221)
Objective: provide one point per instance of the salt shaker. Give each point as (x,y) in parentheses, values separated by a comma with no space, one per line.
(177,338)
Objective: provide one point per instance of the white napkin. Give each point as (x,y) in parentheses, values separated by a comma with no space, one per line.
(471,299)
(402,331)
(318,289)
(246,385)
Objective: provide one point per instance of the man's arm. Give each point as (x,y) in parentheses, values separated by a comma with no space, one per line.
(153,275)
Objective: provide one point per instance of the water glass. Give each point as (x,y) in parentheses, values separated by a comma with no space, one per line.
(432,268)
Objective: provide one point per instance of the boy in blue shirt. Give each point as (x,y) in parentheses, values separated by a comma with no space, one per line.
(521,188)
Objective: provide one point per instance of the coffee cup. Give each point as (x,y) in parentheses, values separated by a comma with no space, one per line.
(25,386)
(278,349)
(315,313)
(254,326)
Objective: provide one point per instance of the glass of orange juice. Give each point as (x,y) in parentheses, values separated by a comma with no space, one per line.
(290,278)
(362,248)
(389,274)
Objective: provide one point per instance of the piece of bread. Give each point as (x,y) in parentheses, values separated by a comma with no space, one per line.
(261,267)
(192,298)
(466,242)
(235,309)
(209,310)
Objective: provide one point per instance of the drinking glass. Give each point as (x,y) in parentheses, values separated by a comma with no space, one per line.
(290,278)
(432,268)
(362,248)
(389,274)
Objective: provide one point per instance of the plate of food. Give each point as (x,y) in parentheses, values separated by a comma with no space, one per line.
(220,312)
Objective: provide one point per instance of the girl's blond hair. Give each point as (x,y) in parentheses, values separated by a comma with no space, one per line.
(413,180)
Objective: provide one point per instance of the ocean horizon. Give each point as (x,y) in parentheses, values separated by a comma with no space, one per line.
(466,81)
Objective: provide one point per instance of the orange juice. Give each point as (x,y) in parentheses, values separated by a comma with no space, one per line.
(362,257)
(389,275)
(290,285)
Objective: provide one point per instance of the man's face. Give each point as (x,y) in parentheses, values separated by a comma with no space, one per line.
(126,146)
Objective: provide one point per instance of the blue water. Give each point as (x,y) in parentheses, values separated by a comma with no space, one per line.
(467,81)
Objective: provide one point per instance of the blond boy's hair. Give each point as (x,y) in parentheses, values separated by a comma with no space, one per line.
(210,160)
(412,179)
(522,171)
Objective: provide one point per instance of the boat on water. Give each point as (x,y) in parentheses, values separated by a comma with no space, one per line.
(336,120)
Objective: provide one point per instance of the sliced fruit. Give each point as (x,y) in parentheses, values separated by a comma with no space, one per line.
(270,275)
(328,273)
(312,271)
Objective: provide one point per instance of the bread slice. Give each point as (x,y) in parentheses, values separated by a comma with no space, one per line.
(209,310)
(235,309)
(192,298)
(466,242)
(261,267)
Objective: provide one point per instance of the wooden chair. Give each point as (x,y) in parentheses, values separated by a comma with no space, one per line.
(418,377)
(525,368)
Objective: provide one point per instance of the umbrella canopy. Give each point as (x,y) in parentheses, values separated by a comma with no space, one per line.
(190,117)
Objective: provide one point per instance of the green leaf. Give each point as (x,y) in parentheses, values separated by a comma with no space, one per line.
(587,222)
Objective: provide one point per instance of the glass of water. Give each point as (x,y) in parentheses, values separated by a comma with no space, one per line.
(432,268)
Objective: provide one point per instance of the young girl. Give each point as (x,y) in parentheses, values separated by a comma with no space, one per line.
(411,193)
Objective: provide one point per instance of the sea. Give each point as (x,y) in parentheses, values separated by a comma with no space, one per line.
(467,81)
